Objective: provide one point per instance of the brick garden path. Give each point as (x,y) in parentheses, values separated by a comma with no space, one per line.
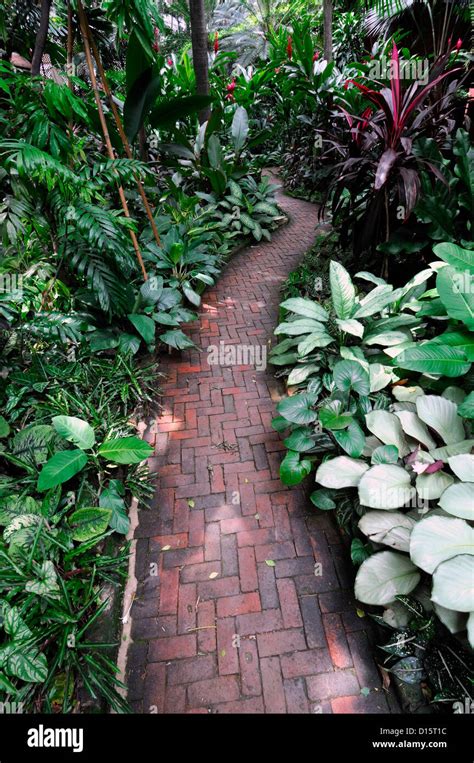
(303,648)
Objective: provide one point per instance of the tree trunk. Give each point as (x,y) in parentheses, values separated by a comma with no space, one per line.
(199,43)
(328,8)
(41,37)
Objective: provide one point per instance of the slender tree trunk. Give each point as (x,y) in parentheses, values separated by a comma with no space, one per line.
(41,36)
(328,8)
(199,43)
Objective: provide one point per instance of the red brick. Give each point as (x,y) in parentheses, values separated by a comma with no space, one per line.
(238,524)
(259,622)
(154,689)
(214,589)
(196,528)
(182,556)
(267,587)
(306,663)
(313,625)
(238,605)
(169,591)
(337,642)
(248,569)
(326,685)
(289,603)
(230,564)
(191,669)
(273,692)
(212,543)
(256,537)
(206,620)
(175,699)
(172,648)
(295,693)
(252,706)
(227,653)
(249,667)
(280,642)
(187,607)
(197,572)
(213,691)
(375,702)
(177,540)
(278,550)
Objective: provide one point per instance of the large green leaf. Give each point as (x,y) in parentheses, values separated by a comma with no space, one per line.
(375,301)
(125,450)
(89,522)
(293,469)
(301,372)
(348,375)
(342,290)
(441,415)
(240,128)
(341,472)
(436,538)
(172,110)
(298,408)
(384,576)
(387,427)
(145,326)
(28,664)
(313,340)
(352,439)
(466,409)
(60,468)
(112,498)
(392,528)
(4,427)
(75,430)
(451,588)
(434,358)
(177,339)
(46,581)
(385,486)
(300,326)
(139,100)
(305,307)
(456,292)
(462,259)
(458,499)
(300,440)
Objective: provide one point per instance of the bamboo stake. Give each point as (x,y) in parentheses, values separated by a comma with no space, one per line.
(105,130)
(120,129)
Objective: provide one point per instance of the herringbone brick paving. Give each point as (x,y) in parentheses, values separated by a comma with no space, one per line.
(215,628)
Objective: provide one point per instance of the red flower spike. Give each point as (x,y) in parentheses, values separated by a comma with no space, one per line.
(170,62)
(459,44)
(289,48)
(216,42)
(315,56)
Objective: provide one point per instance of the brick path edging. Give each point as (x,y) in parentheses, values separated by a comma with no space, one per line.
(232,612)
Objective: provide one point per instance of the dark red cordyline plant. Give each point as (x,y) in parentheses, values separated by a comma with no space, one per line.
(381,171)
(216,42)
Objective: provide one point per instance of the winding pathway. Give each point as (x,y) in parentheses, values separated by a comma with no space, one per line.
(244,598)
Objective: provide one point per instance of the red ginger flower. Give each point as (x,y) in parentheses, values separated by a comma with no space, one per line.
(156,44)
(315,55)
(216,42)
(289,48)
(459,44)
